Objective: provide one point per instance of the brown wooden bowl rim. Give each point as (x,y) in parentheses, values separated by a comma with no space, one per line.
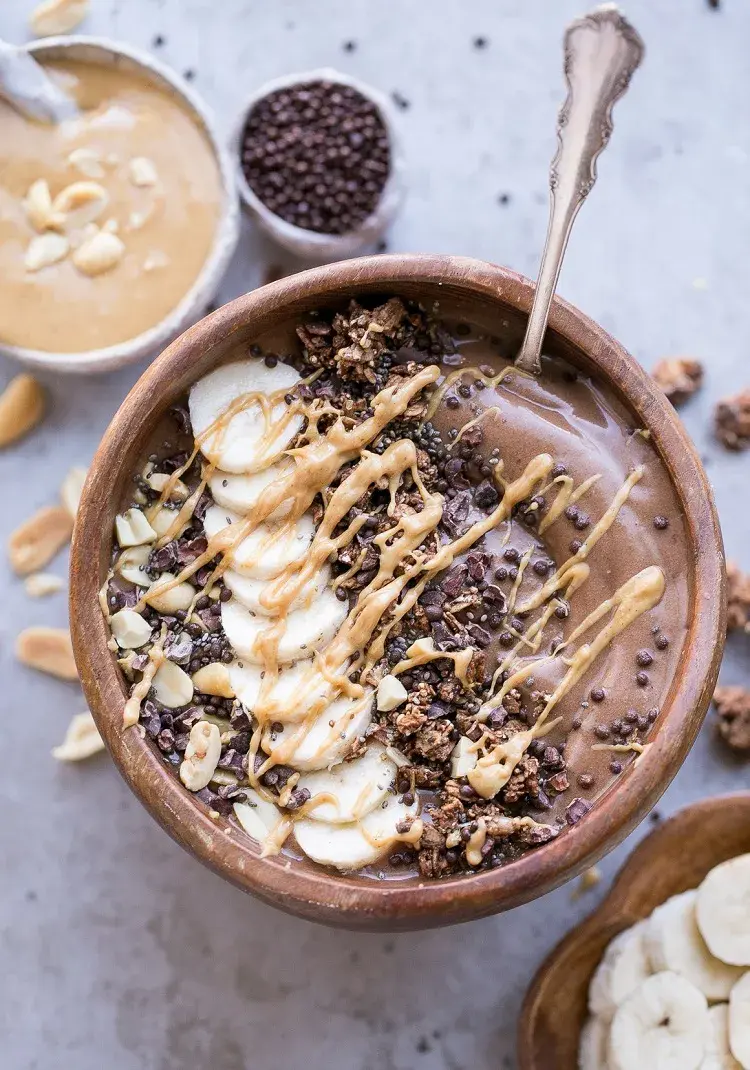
(358,902)
(614,913)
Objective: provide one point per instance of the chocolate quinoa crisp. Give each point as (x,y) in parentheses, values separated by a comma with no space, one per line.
(318,155)
(733,717)
(732,421)
(678,377)
(442,604)
(738,598)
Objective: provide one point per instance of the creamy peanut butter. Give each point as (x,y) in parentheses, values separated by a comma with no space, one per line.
(106,219)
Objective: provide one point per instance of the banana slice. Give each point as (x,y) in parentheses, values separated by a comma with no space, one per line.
(593,1045)
(624,966)
(723,911)
(718,1055)
(662,1025)
(739,1021)
(268,550)
(297,689)
(302,631)
(353,846)
(248,591)
(243,442)
(258,817)
(674,942)
(241,492)
(349,791)
(327,740)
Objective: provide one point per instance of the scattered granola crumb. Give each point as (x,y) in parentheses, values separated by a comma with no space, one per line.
(40,584)
(48,650)
(678,377)
(82,740)
(32,545)
(738,598)
(733,713)
(732,420)
(21,408)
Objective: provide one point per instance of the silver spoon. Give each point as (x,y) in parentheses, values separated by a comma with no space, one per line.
(28,87)
(602,50)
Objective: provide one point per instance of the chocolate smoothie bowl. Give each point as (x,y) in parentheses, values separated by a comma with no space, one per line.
(381,628)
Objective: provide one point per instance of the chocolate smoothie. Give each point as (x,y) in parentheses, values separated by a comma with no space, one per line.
(393,604)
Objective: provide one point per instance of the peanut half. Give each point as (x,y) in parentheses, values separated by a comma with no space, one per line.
(82,740)
(21,408)
(32,545)
(57,16)
(48,650)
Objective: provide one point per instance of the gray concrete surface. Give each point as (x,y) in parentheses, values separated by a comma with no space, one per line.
(118,951)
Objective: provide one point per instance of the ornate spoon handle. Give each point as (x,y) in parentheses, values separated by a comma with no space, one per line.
(601,52)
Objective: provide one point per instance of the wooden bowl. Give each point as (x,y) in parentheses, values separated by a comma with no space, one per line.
(491,296)
(672,859)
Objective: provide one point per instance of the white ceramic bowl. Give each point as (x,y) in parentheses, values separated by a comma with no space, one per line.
(100,51)
(309,244)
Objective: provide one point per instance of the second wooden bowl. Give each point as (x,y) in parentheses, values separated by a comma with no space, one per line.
(672,859)
(499,300)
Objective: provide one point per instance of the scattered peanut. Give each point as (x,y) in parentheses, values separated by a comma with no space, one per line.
(21,408)
(87,161)
(201,756)
(72,486)
(48,650)
(82,740)
(35,542)
(172,685)
(172,600)
(45,250)
(130,629)
(143,172)
(57,16)
(99,253)
(213,679)
(133,529)
(40,584)
(38,206)
(132,563)
(80,203)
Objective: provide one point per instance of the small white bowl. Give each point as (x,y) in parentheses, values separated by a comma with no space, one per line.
(100,51)
(310,244)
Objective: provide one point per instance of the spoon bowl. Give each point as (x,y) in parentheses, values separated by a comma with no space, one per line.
(498,301)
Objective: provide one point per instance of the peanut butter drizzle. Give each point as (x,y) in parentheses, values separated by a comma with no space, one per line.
(452,377)
(156,657)
(565,496)
(639,594)
(600,528)
(424,650)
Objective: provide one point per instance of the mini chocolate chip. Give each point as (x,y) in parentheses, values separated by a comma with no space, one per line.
(644,658)
(598,694)
(581,521)
(501,573)
(662,642)
(585,780)
(602,731)
(559,470)
(511,554)
(452,401)
(615,767)
(541,567)
(653,714)
(661,523)
(641,678)
(575,546)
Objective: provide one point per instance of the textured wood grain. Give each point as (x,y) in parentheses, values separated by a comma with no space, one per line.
(674,858)
(488,295)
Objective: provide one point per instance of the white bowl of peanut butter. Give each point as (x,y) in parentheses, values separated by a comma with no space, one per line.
(117,226)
